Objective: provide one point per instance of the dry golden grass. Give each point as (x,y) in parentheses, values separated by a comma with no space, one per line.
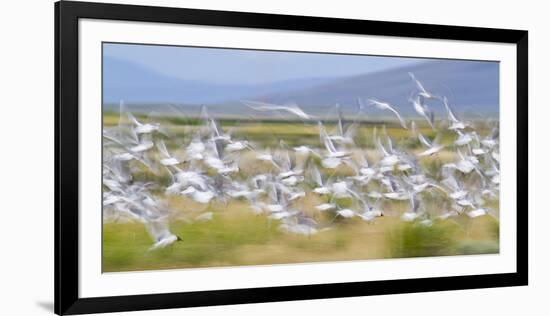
(236,236)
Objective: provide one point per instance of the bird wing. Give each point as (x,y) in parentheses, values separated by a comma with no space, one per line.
(379,143)
(215,126)
(381,147)
(263,106)
(158,228)
(162,148)
(450,112)
(424,140)
(415,203)
(125,113)
(387,106)
(418,83)
(316,176)
(325,139)
(388,138)
(133,119)
(351,130)
(403,124)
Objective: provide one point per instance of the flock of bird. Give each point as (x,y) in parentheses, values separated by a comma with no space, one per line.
(206,169)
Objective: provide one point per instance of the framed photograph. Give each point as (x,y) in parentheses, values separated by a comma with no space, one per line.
(209,158)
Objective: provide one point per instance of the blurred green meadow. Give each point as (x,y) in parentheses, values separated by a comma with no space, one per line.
(237,236)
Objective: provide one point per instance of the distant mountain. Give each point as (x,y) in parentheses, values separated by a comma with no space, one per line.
(133,83)
(471,87)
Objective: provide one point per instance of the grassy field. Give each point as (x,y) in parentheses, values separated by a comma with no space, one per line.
(268,133)
(236,236)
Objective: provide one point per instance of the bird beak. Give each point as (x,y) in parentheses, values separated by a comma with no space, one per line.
(178,238)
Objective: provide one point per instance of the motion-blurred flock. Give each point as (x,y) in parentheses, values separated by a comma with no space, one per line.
(206,169)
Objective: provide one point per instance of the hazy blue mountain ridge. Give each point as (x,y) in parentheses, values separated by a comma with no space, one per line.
(136,84)
(471,87)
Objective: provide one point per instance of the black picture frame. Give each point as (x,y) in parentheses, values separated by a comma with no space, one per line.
(67,15)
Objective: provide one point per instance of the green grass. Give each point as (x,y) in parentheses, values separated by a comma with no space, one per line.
(412,239)
(268,133)
(462,236)
(126,245)
(237,237)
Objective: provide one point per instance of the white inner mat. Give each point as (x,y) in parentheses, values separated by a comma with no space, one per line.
(94,283)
